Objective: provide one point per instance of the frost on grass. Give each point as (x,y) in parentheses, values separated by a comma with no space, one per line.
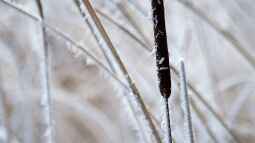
(224,63)
(189,135)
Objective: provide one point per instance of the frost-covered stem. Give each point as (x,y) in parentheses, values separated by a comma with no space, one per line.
(215,114)
(138,99)
(3,129)
(168,122)
(184,94)
(209,107)
(45,101)
(113,68)
(95,33)
(162,58)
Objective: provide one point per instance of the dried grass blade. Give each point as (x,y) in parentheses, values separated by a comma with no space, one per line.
(123,69)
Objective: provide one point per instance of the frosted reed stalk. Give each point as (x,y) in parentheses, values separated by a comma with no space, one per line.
(162,59)
(45,101)
(186,104)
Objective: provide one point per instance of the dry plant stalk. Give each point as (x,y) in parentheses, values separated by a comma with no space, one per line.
(123,70)
(96,35)
(186,104)
(45,101)
(162,58)
(112,66)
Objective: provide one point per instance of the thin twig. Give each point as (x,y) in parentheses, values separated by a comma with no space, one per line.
(209,107)
(184,94)
(45,102)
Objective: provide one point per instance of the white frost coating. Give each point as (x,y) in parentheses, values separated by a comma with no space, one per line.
(3,135)
(60,34)
(3,131)
(161,60)
(189,137)
(153,51)
(144,131)
(111,55)
(45,101)
(96,34)
(77,53)
(163,68)
(163,121)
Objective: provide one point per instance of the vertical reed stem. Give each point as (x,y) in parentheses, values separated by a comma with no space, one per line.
(187,114)
(45,101)
(168,122)
(162,59)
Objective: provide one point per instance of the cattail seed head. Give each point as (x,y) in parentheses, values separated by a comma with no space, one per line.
(162,56)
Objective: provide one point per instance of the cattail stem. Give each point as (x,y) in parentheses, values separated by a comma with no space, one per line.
(162,59)
(168,122)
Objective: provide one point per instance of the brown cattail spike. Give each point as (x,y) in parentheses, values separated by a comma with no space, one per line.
(162,56)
